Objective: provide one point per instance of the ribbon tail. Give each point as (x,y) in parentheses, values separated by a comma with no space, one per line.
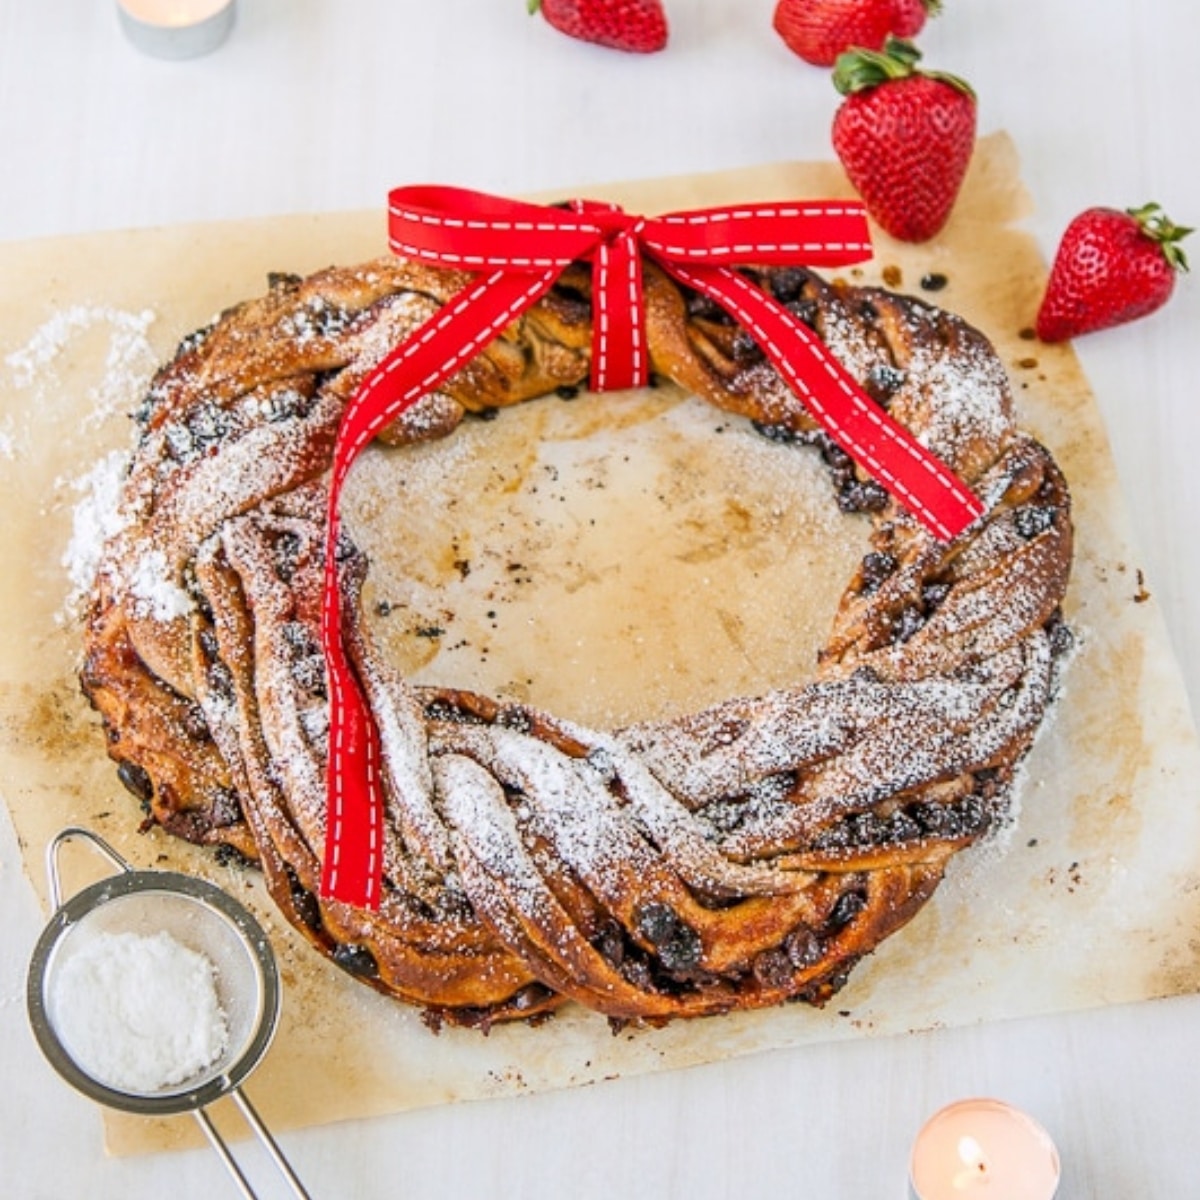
(884,448)
(352,870)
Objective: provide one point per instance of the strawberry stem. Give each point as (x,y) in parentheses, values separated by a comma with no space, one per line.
(933,8)
(533,6)
(1158,227)
(858,70)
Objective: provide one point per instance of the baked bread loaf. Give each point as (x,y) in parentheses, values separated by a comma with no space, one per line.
(735,857)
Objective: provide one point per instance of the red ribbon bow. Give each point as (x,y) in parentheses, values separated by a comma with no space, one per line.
(518,251)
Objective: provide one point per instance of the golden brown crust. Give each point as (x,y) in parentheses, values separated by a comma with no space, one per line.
(731,858)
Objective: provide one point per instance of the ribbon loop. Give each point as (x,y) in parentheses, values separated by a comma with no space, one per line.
(814,235)
(453,227)
(516,251)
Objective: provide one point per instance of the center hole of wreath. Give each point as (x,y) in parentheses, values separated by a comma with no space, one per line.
(609,559)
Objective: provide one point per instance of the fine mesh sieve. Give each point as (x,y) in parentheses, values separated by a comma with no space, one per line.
(199,916)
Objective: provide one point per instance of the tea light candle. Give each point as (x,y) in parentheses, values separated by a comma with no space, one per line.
(176,28)
(983,1150)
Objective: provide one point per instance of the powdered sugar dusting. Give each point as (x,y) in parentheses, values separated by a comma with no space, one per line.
(97,517)
(154,592)
(129,359)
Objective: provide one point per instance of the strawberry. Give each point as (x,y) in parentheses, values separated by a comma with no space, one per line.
(819,30)
(904,136)
(639,26)
(909,16)
(1111,267)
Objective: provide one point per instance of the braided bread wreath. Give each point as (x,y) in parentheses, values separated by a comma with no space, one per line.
(731,858)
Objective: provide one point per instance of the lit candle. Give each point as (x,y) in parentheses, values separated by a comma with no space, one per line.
(176,28)
(983,1150)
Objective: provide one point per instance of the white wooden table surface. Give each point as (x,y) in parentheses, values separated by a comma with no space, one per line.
(316,105)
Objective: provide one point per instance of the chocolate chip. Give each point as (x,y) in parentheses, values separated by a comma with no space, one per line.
(637,972)
(773,969)
(357,960)
(775,433)
(530,996)
(934,281)
(866,829)
(305,904)
(704,309)
(682,951)
(1061,637)
(862,496)
(229,856)
(882,383)
(678,945)
(876,567)
(787,283)
(848,906)
(745,349)
(515,717)
(226,808)
(932,595)
(802,947)
(902,828)
(207,424)
(932,818)
(834,456)
(288,405)
(285,555)
(610,943)
(805,311)
(1031,521)
(656,922)
(136,780)
(973,815)
(220,682)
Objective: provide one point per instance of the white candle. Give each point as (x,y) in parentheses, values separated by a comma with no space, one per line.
(176,28)
(983,1150)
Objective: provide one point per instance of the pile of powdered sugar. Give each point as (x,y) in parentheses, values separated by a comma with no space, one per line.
(138,1012)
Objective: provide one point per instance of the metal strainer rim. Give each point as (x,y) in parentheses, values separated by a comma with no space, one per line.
(184,1098)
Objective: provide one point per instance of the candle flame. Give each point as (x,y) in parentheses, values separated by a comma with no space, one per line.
(975,1164)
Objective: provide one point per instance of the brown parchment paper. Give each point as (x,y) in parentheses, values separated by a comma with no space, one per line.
(1106,851)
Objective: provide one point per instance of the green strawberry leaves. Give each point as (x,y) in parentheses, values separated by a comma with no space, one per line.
(858,70)
(1158,227)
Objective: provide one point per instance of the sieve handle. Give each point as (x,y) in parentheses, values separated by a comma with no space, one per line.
(264,1136)
(60,840)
